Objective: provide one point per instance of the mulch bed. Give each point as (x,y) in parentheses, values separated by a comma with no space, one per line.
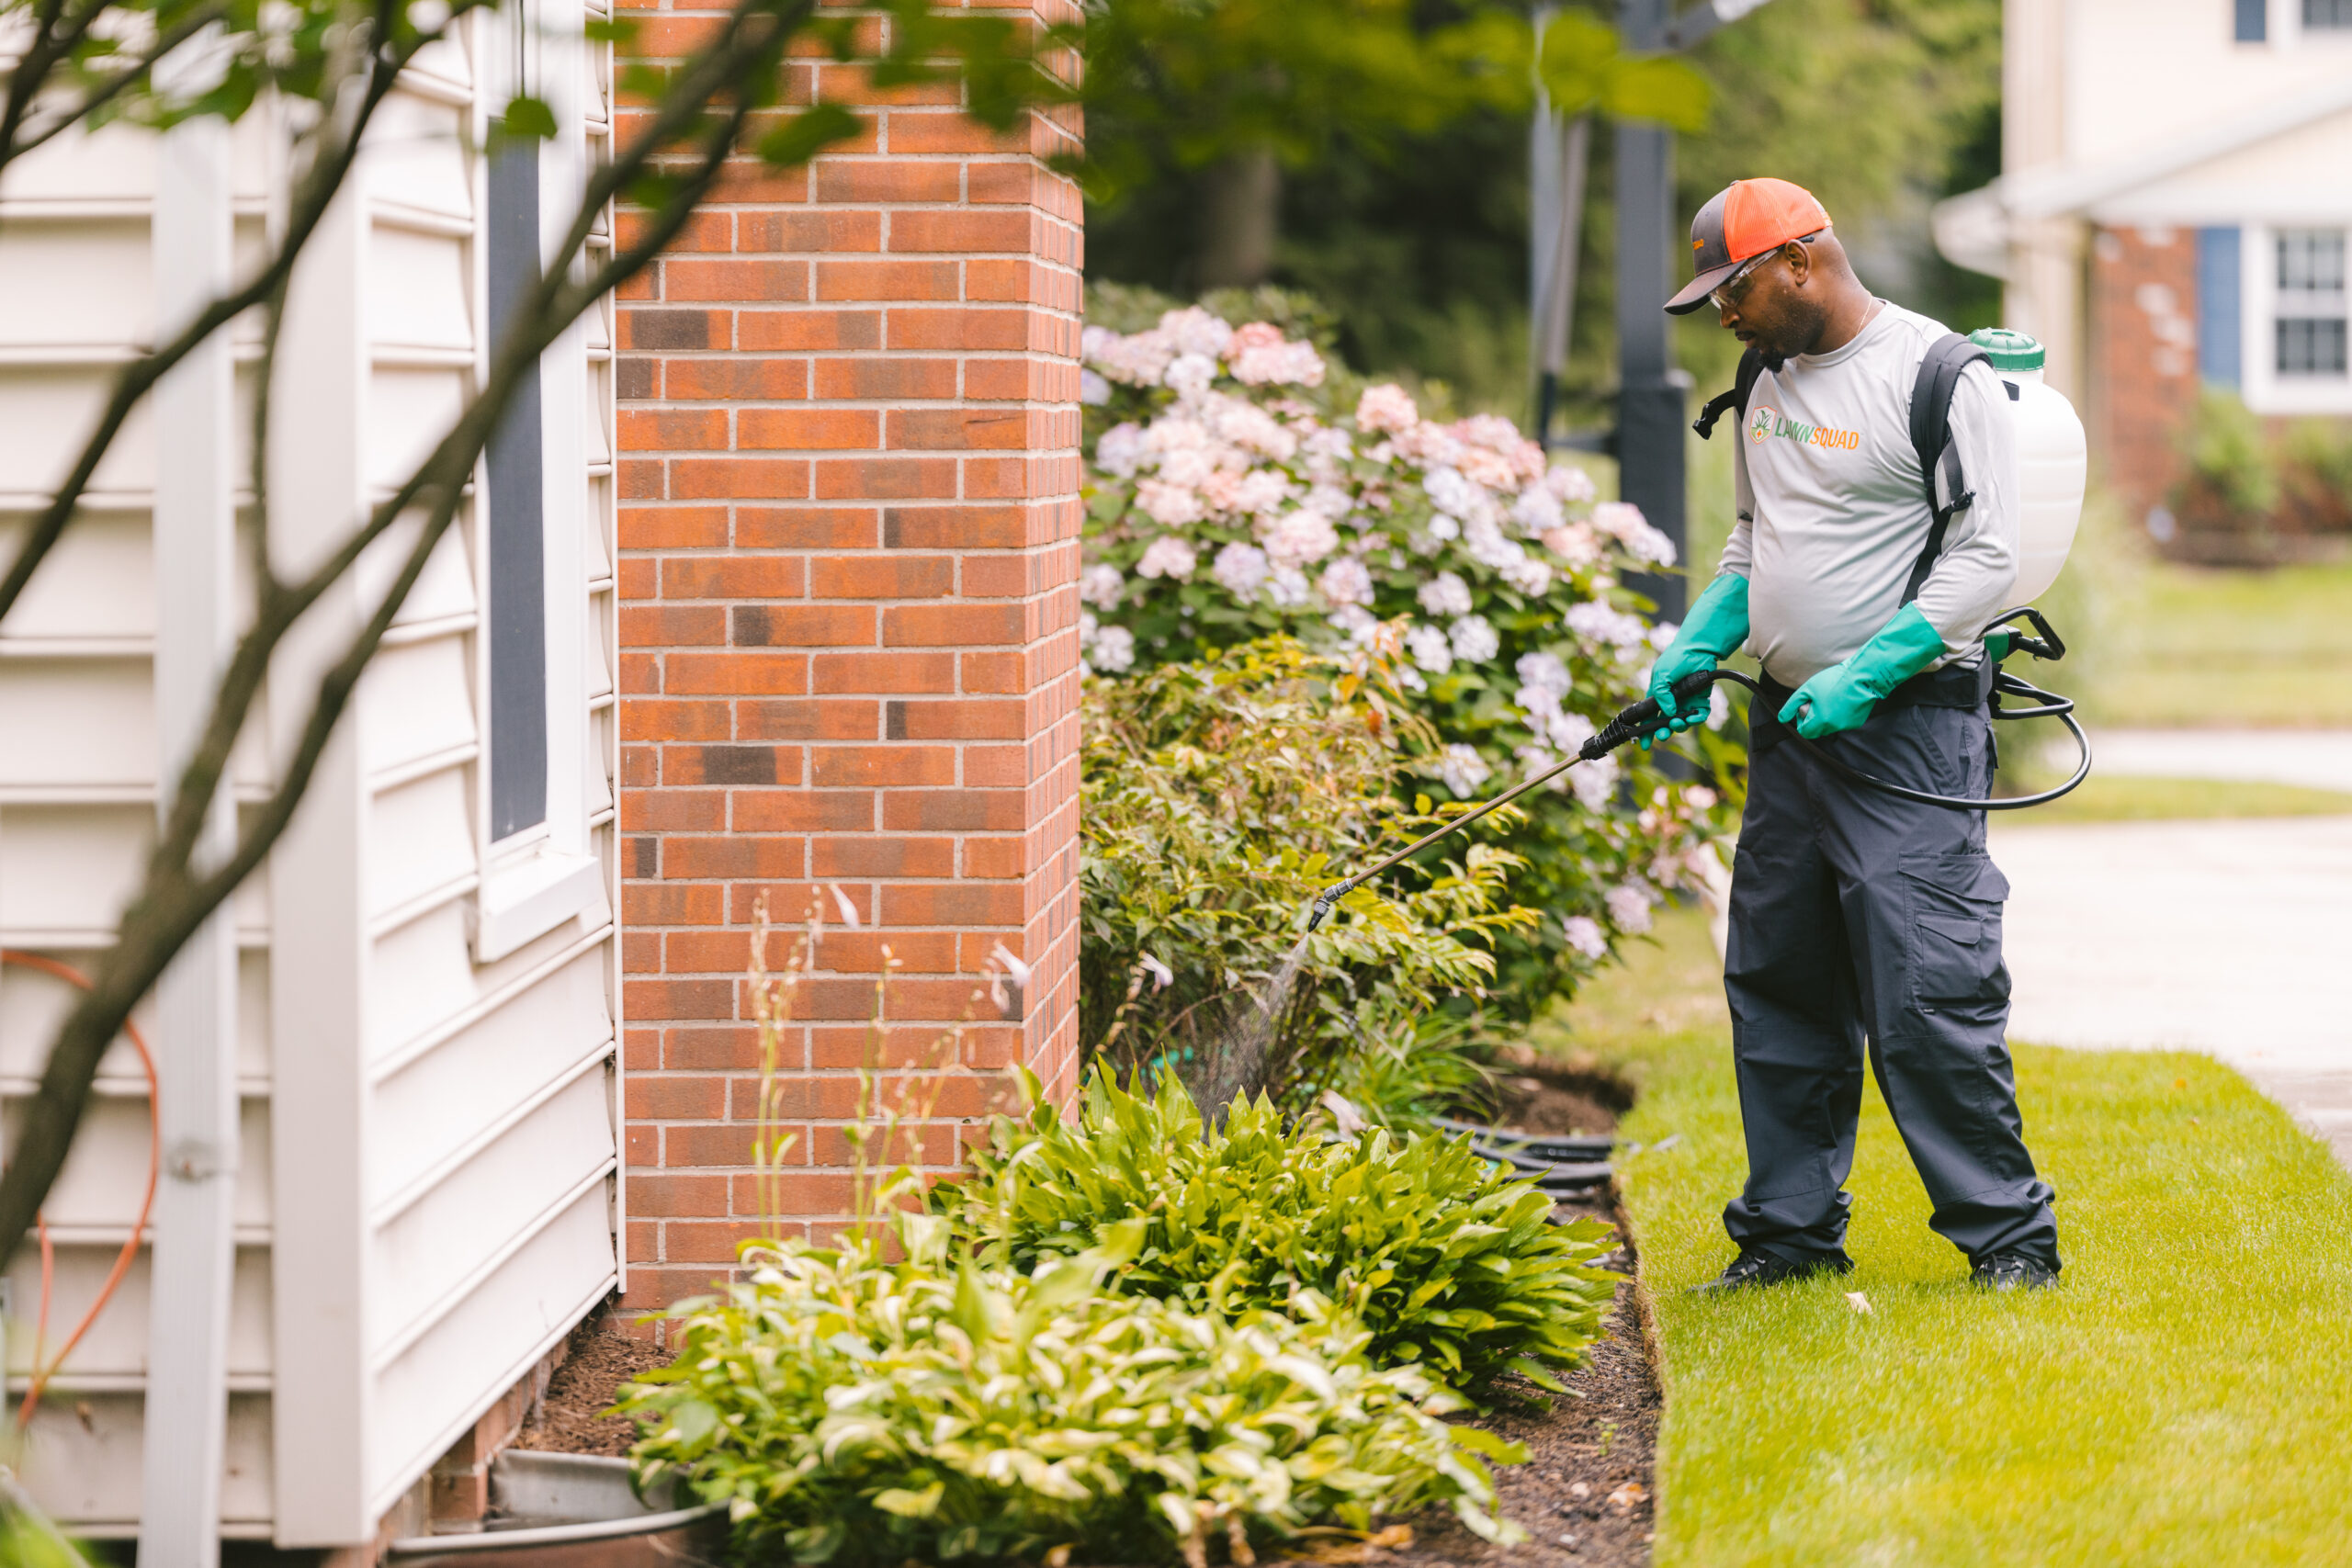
(1543,1094)
(598,1359)
(1586,1495)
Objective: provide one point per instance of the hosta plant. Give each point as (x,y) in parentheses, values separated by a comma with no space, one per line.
(1449,1265)
(855,1410)
(1236,489)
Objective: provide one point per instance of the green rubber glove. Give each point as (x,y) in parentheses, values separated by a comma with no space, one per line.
(1842,697)
(1998,644)
(1714,630)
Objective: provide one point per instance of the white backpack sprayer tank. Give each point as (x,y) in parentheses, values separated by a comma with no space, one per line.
(2052,461)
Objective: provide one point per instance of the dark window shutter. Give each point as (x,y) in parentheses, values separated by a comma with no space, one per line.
(2219,323)
(517,600)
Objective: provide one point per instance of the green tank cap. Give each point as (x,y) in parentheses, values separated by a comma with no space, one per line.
(2008,350)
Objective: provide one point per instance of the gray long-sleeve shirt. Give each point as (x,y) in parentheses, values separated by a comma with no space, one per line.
(1833,511)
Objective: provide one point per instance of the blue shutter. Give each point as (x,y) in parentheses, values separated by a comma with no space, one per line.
(2218,318)
(2253,20)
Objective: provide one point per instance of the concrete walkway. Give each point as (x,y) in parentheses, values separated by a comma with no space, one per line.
(2232,938)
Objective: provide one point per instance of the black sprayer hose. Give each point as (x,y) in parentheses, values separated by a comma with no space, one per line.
(1644,716)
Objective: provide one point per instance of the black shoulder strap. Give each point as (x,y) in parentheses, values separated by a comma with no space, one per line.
(1752,364)
(1931,438)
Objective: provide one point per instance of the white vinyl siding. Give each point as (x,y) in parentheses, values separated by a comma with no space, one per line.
(428,1194)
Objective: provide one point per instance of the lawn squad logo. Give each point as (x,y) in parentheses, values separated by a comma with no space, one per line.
(1767,421)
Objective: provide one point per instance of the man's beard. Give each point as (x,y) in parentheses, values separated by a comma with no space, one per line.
(1770,360)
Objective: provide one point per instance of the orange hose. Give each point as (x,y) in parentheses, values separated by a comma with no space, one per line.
(41,1374)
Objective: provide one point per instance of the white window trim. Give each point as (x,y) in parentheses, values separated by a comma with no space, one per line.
(2265,390)
(2287,30)
(536,880)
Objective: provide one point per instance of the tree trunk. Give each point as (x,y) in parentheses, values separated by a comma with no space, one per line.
(1240,215)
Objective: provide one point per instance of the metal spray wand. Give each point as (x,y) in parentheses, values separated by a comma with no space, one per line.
(1643,715)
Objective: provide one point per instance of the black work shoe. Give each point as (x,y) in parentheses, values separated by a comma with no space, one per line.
(1764,1269)
(2012,1271)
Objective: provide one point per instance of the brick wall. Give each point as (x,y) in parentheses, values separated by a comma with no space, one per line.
(849,533)
(2143,349)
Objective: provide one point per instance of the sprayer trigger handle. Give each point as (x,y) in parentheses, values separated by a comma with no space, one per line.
(1642,717)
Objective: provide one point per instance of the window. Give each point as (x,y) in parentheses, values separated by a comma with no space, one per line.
(518,624)
(2254,20)
(2322,14)
(2310,309)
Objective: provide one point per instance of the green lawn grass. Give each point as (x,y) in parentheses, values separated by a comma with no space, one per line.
(2185,1397)
(2123,797)
(2190,645)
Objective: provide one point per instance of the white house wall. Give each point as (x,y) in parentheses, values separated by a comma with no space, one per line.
(2140,73)
(2301,177)
(429,1192)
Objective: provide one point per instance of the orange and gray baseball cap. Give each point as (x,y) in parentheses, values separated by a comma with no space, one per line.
(1742,220)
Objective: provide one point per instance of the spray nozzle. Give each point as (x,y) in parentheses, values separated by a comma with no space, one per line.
(2048,645)
(1323,903)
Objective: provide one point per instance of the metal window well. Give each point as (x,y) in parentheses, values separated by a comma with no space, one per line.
(572,1511)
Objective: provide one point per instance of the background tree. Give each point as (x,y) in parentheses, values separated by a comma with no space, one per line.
(1196,108)
(1415,235)
(330,65)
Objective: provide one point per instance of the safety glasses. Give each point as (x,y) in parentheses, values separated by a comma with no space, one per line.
(1727,293)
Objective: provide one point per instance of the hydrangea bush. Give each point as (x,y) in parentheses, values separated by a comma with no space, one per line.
(1242,486)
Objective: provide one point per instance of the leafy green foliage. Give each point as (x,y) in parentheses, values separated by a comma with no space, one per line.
(2229,457)
(853,1410)
(1181,84)
(2247,477)
(1215,800)
(1405,1071)
(1449,1264)
(1418,242)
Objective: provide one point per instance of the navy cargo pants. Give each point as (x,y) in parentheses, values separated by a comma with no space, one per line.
(1857,915)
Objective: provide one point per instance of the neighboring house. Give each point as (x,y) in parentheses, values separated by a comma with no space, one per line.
(2173,210)
(833,581)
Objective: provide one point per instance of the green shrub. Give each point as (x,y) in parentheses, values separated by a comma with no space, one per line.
(853,1410)
(2257,492)
(1400,1076)
(1216,799)
(1448,1264)
(2229,456)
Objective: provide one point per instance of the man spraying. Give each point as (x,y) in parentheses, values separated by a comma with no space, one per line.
(1856,914)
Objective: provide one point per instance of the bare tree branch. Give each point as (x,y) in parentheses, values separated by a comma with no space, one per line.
(12,146)
(314,192)
(30,74)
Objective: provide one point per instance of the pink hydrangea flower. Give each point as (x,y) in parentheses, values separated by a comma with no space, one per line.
(1584,935)
(1300,538)
(1171,506)
(1167,557)
(1345,581)
(1242,570)
(1386,407)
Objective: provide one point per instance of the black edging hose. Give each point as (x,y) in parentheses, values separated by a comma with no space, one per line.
(1643,717)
